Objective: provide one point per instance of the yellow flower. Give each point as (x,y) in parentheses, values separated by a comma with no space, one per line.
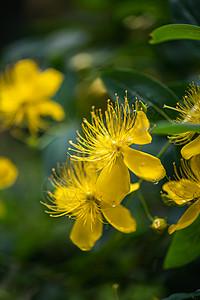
(186,190)
(8,173)
(107,143)
(25,93)
(76,196)
(189,113)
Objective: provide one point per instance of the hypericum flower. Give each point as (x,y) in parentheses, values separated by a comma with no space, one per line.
(107,143)
(186,190)
(8,172)
(25,93)
(189,113)
(76,196)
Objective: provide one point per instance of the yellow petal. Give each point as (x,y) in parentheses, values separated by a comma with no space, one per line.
(188,217)
(8,173)
(65,198)
(32,120)
(113,183)
(191,149)
(143,165)
(48,82)
(120,218)
(140,132)
(195,166)
(85,234)
(134,187)
(25,71)
(50,108)
(182,191)
(91,172)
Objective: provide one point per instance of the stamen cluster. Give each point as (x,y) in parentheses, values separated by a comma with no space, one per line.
(189,113)
(104,139)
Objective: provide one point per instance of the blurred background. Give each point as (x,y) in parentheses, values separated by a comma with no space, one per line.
(81,38)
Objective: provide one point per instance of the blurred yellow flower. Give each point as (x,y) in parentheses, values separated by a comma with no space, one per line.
(186,190)
(25,93)
(189,113)
(8,173)
(76,196)
(107,143)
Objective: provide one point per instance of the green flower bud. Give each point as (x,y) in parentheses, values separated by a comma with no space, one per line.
(159,225)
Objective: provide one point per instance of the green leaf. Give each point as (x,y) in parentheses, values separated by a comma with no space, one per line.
(185,246)
(142,86)
(184,296)
(187,12)
(174,32)
(165,128)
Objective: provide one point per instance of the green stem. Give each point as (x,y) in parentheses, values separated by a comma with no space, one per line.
(115,288)
(162,151)
(149,216)
(128,202)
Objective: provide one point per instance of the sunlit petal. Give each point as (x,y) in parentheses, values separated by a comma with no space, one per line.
(120,218)
(182,191)
(188,217)
(195,166)
(24,71)
(140,132)
(84,234)
(143,165)
(113,183)
(191,149)
(48,82)
(66,197)
(50,108)
(134,187)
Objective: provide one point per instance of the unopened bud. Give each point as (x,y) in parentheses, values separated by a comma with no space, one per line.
(159,225)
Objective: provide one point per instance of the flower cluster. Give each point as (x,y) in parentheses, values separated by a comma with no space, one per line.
(25,93)
(92,187)
(185,189)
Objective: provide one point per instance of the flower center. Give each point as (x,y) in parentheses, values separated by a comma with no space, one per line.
(91,197)
(115,146)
